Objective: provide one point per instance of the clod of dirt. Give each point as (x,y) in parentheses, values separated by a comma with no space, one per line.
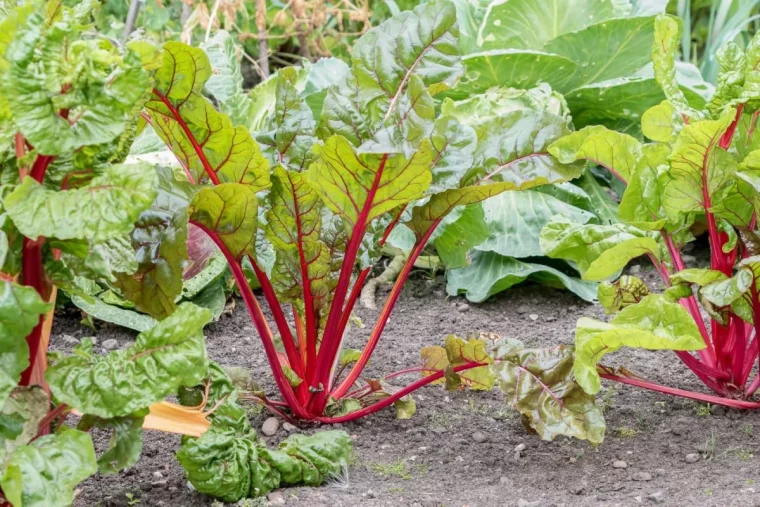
(289,427)
(692,457)
(276,498)
(479,437)
(642,476)
(657,497)
(620,464)
(464,307)
(717,410)
(270,426)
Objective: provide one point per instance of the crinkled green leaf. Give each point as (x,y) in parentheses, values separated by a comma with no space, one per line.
(348,356)
(169,355)
(626,291)
(421,43)
(51,69)
(599,251)
(655,324)
(539,384)
(20,418)
(490,273)
(500,100)
(230,210)
(751,86)
(220,387)
(515,147)
(642,200)
(289,134)
(732,65)
(229,463)
(45,472)
(104,209)
(344,178)
(225,83)
(211,273)
(615,151)
(459,352)
(20,312)
(160,243)
(410,121)
(125,444)
(667,34)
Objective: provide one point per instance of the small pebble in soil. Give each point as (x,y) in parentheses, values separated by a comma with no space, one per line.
(464,307)
(522,309)
(635,269)
(533,317)
(692,457)
(289,427)
(642,476)
(110,344)
(159,484)
(270,426)
(520,447)
(479,437)
(69,340)
(620,464)
(276,498)
(657,497)
(158,475)
(717,410)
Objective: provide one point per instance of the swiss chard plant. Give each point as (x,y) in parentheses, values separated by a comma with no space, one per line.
(701,163)
(320,183)
(70,212)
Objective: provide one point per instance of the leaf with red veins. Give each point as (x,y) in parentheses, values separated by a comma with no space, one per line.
(230,211)
(345,180)
(205,141)
(302,272)
(290,131)
(539,383)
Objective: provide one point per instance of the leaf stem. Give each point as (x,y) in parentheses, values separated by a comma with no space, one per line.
(385,402)
(332,338)
(707,398)
(183,125)
(261,325)
(382,320)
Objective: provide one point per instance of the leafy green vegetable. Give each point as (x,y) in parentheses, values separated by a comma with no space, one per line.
(169,355)
(45,472)
(654,324)
(229,462)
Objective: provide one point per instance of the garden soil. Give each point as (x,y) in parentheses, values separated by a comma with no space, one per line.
(459,449)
